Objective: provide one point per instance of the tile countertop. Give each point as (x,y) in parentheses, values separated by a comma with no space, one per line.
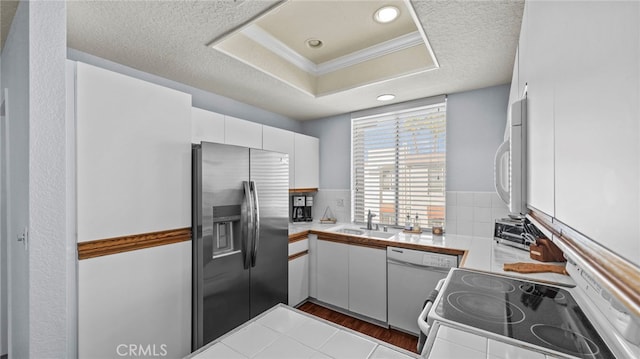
(480,253)
(283,332)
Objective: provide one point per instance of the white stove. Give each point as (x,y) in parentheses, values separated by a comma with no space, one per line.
(552,320)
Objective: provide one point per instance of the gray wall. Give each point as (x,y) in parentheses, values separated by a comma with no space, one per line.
(475,128)
(201,99)
(33,71)
(335,149)
(15,77)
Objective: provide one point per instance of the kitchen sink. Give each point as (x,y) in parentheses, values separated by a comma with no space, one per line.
(363,232)
(351,231)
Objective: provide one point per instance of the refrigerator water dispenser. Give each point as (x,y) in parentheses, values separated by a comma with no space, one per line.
(224,219)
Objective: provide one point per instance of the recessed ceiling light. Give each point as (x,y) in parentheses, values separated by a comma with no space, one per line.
(386,14)
(314,43)
(386,97)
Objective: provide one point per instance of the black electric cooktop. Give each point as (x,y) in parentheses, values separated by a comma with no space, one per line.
(538,314)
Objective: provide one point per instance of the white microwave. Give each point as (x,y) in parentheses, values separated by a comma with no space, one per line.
(510,167)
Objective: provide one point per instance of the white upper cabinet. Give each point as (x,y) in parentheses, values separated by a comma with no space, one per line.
(536,67)
(597,124)
(242,133)
(307,161)
(303,151)
(583,92)
(206,126)
(133,155)
(275,139)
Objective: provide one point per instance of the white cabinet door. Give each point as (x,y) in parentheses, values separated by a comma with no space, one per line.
(538,67)
(313,265)
(298,280)
(141,297)
(332,274)
(275,139)
(597,128)
(133,155)
(368,282)
(206,126)
(242,133)
(307,161)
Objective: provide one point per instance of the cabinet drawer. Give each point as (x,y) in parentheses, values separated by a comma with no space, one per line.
(298,246)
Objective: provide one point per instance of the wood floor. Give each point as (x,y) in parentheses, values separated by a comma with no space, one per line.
(391,336)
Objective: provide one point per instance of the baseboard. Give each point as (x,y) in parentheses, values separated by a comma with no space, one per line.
(349,313)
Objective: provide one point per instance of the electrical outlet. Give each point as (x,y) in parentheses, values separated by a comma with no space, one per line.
(340,202)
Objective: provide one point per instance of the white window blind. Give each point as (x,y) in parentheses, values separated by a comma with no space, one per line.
(398,166)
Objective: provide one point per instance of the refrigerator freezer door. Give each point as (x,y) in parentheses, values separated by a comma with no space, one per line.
(269,275)
(222,283)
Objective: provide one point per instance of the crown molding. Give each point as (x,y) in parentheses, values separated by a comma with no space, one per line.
(257,34)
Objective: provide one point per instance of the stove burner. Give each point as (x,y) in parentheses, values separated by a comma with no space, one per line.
(485,307)
(541,291)
(487,282)
(568,341)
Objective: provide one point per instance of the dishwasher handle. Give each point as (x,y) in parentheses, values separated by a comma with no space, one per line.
(422,318)
(444,270)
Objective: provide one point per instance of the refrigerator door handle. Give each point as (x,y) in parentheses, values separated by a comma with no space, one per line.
(246,224)
(256,228)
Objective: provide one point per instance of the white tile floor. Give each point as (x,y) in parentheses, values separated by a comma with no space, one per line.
(283,332)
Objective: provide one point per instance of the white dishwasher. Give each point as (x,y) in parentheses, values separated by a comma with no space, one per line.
(411,276)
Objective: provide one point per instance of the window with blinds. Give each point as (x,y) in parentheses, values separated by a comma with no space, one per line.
(399,166)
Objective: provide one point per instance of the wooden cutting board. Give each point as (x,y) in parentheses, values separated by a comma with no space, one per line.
(534,268)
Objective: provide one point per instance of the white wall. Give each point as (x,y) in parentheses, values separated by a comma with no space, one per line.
(33,69)
(201,99)
(48,237)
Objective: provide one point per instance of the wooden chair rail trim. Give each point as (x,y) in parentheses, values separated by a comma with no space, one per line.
(303,190)
(298,255)
(620,277)
(298,236)
(104,247)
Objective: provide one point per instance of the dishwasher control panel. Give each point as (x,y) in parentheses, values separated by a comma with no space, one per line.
(427,259)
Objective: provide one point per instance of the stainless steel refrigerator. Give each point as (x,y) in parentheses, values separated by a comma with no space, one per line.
(240,236)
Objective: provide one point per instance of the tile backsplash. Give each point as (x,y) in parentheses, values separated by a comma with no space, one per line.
(468,213)
(473,213)
(339,200)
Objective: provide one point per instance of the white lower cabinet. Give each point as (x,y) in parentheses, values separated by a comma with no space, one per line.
(298,271)
(353,278)
(313,265)
(332,275)
(140,297)
(298,280)
(368,282)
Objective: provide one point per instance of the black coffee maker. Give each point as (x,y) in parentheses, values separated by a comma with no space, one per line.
(301,208)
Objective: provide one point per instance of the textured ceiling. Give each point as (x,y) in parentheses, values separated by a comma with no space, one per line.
(474,42)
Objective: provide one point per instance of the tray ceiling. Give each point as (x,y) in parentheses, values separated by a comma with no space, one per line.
(325,47)
(473,43)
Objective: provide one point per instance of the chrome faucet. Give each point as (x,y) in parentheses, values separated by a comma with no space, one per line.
(369,217)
